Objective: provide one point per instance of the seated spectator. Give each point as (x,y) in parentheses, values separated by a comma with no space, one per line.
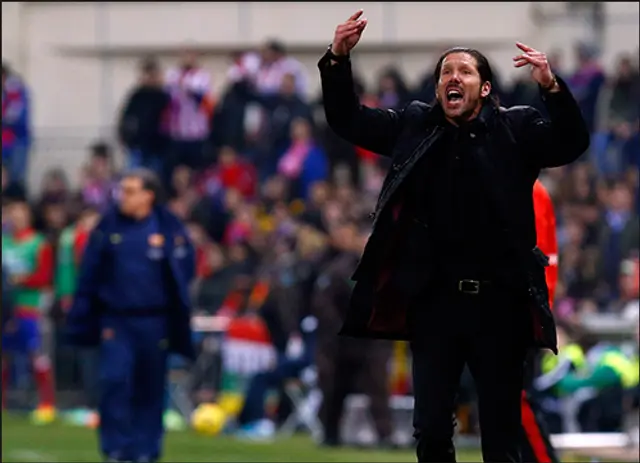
(183,186)
(240,228)
(231,171)
(304,162)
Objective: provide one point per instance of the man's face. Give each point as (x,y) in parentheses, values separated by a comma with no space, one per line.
(460,89)
(20,216)
(133,197)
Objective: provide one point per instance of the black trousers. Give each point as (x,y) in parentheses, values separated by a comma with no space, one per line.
(489,332)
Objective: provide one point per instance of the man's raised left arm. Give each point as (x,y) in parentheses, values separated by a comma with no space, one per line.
(562,138)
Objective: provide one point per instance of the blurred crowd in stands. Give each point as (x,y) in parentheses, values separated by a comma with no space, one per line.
(267,189)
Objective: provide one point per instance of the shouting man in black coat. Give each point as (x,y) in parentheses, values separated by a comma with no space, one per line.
(452,264)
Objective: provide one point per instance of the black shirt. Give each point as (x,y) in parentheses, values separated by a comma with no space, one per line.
(465,233)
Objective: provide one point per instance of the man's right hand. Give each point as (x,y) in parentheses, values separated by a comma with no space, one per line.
(348,34)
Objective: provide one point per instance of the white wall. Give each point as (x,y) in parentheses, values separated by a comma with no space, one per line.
(80,57)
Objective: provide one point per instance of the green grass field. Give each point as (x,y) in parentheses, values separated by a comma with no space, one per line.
(24,442)
(58,442)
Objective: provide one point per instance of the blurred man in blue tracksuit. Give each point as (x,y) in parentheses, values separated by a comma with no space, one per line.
(132,299)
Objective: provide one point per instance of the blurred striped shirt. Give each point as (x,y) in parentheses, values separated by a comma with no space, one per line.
(191,104)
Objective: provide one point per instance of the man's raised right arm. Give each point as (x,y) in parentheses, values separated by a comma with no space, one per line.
(373,129)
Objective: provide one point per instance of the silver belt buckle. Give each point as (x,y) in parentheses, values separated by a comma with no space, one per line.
(475,286)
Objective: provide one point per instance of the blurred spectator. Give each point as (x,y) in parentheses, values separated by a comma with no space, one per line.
(274,65)
(392,90)
(624,101)
(619,236)
(189,87)
(16,122)
(612,150)
(231,171)
(98,182)
(587,82)
(280,110)
(183,189)
(55,191)
(304,162)
(142,125)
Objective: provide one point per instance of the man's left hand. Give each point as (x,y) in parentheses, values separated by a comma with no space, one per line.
(540,69)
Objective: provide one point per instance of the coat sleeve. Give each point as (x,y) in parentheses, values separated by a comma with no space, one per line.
(546,232)
(83,317)
(373,129)
(561,139)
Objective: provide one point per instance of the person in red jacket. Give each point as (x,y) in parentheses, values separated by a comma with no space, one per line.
(537,445)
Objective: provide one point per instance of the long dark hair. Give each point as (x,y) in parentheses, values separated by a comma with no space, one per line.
(482,65)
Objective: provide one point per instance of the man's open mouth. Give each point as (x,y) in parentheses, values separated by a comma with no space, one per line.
(454,94)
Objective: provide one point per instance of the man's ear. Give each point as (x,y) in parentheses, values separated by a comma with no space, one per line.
(485,90)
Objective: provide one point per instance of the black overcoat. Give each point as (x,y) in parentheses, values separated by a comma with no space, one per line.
(514,145)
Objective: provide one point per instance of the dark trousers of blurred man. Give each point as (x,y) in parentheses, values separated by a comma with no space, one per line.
(359,367)
(132,301)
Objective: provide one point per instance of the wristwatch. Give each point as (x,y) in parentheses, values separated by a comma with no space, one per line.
(338,59)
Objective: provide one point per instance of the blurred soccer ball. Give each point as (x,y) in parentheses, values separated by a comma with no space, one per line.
(43,415)
(208,419)
(231,403)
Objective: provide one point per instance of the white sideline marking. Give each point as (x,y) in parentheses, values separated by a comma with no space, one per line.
(30,455)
